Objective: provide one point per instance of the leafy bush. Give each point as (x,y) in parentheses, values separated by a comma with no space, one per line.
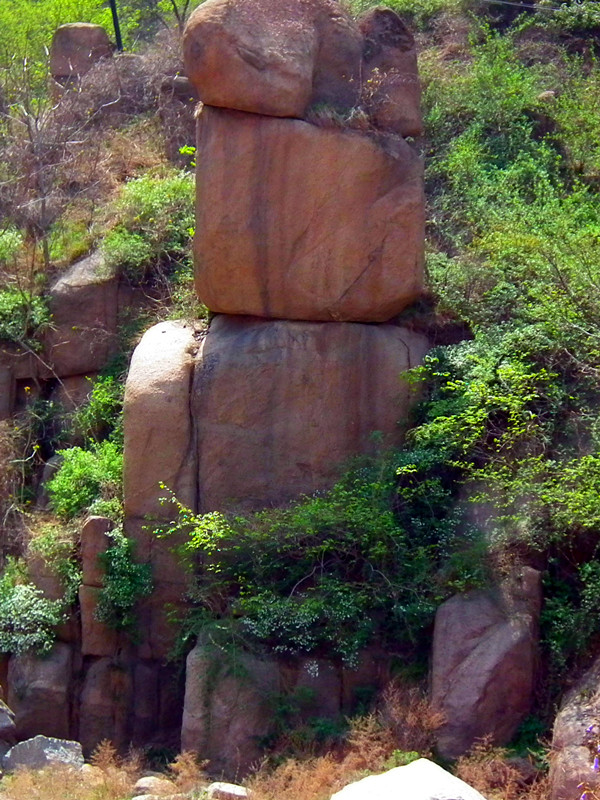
(333,572)
(152,237)
(27,618)
(22,317)
(84,477)
(125,583)
(97,418)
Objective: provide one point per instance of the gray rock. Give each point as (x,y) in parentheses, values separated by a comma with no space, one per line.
(7,723)
(42,751)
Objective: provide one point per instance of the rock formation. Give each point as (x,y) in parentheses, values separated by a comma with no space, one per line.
(76,47)
(484,654)
(576,738)
(310,218)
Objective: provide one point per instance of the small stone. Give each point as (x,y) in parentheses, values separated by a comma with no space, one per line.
(154,785)
(226,791)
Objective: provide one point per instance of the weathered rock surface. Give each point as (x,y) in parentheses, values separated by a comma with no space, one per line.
(273,57)
(84,303)
(94,542)
(76,47)
(391,87)
(105,704)
(8,728)
(280,406)
(420,780)
(296,221)
(97,639)
(484,654)
(42,751)
(575,736)
(158,426)
(39,692)
(227,708)
(159,448)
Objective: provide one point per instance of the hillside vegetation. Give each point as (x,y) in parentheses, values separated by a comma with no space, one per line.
(502,462)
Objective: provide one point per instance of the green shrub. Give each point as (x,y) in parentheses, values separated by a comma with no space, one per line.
(99,416)
(11,241)
(27,618)
(125,584)
(84,477)
(334,572)
(22,317)
(152,237)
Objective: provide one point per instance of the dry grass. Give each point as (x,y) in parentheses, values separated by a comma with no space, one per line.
(108,778)
(499,777)
(187,772)
(405,721)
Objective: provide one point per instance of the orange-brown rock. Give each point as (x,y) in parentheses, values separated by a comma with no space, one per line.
(484,658)
(228,707)
(274,57)
(40,692)
(94,542)
(105,704)
(76,47)
(280,406)
(97,639)
(296,221)
(158,426)
(391,88)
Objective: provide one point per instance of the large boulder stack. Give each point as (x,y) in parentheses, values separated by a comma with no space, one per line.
(309,242)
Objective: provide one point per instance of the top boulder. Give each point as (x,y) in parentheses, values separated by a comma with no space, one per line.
(274,57)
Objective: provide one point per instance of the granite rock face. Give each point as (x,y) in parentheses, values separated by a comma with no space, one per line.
(227,707)
(484,658)
(279,407)
(574,740)
(329,224)
(40,692)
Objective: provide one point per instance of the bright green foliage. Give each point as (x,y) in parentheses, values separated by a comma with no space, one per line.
(27,26)
(22,317)
(515,258)
(125,583)
(336,571)
(27,618)
(152,238)
(10,242)
(86,476)
(98,417)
